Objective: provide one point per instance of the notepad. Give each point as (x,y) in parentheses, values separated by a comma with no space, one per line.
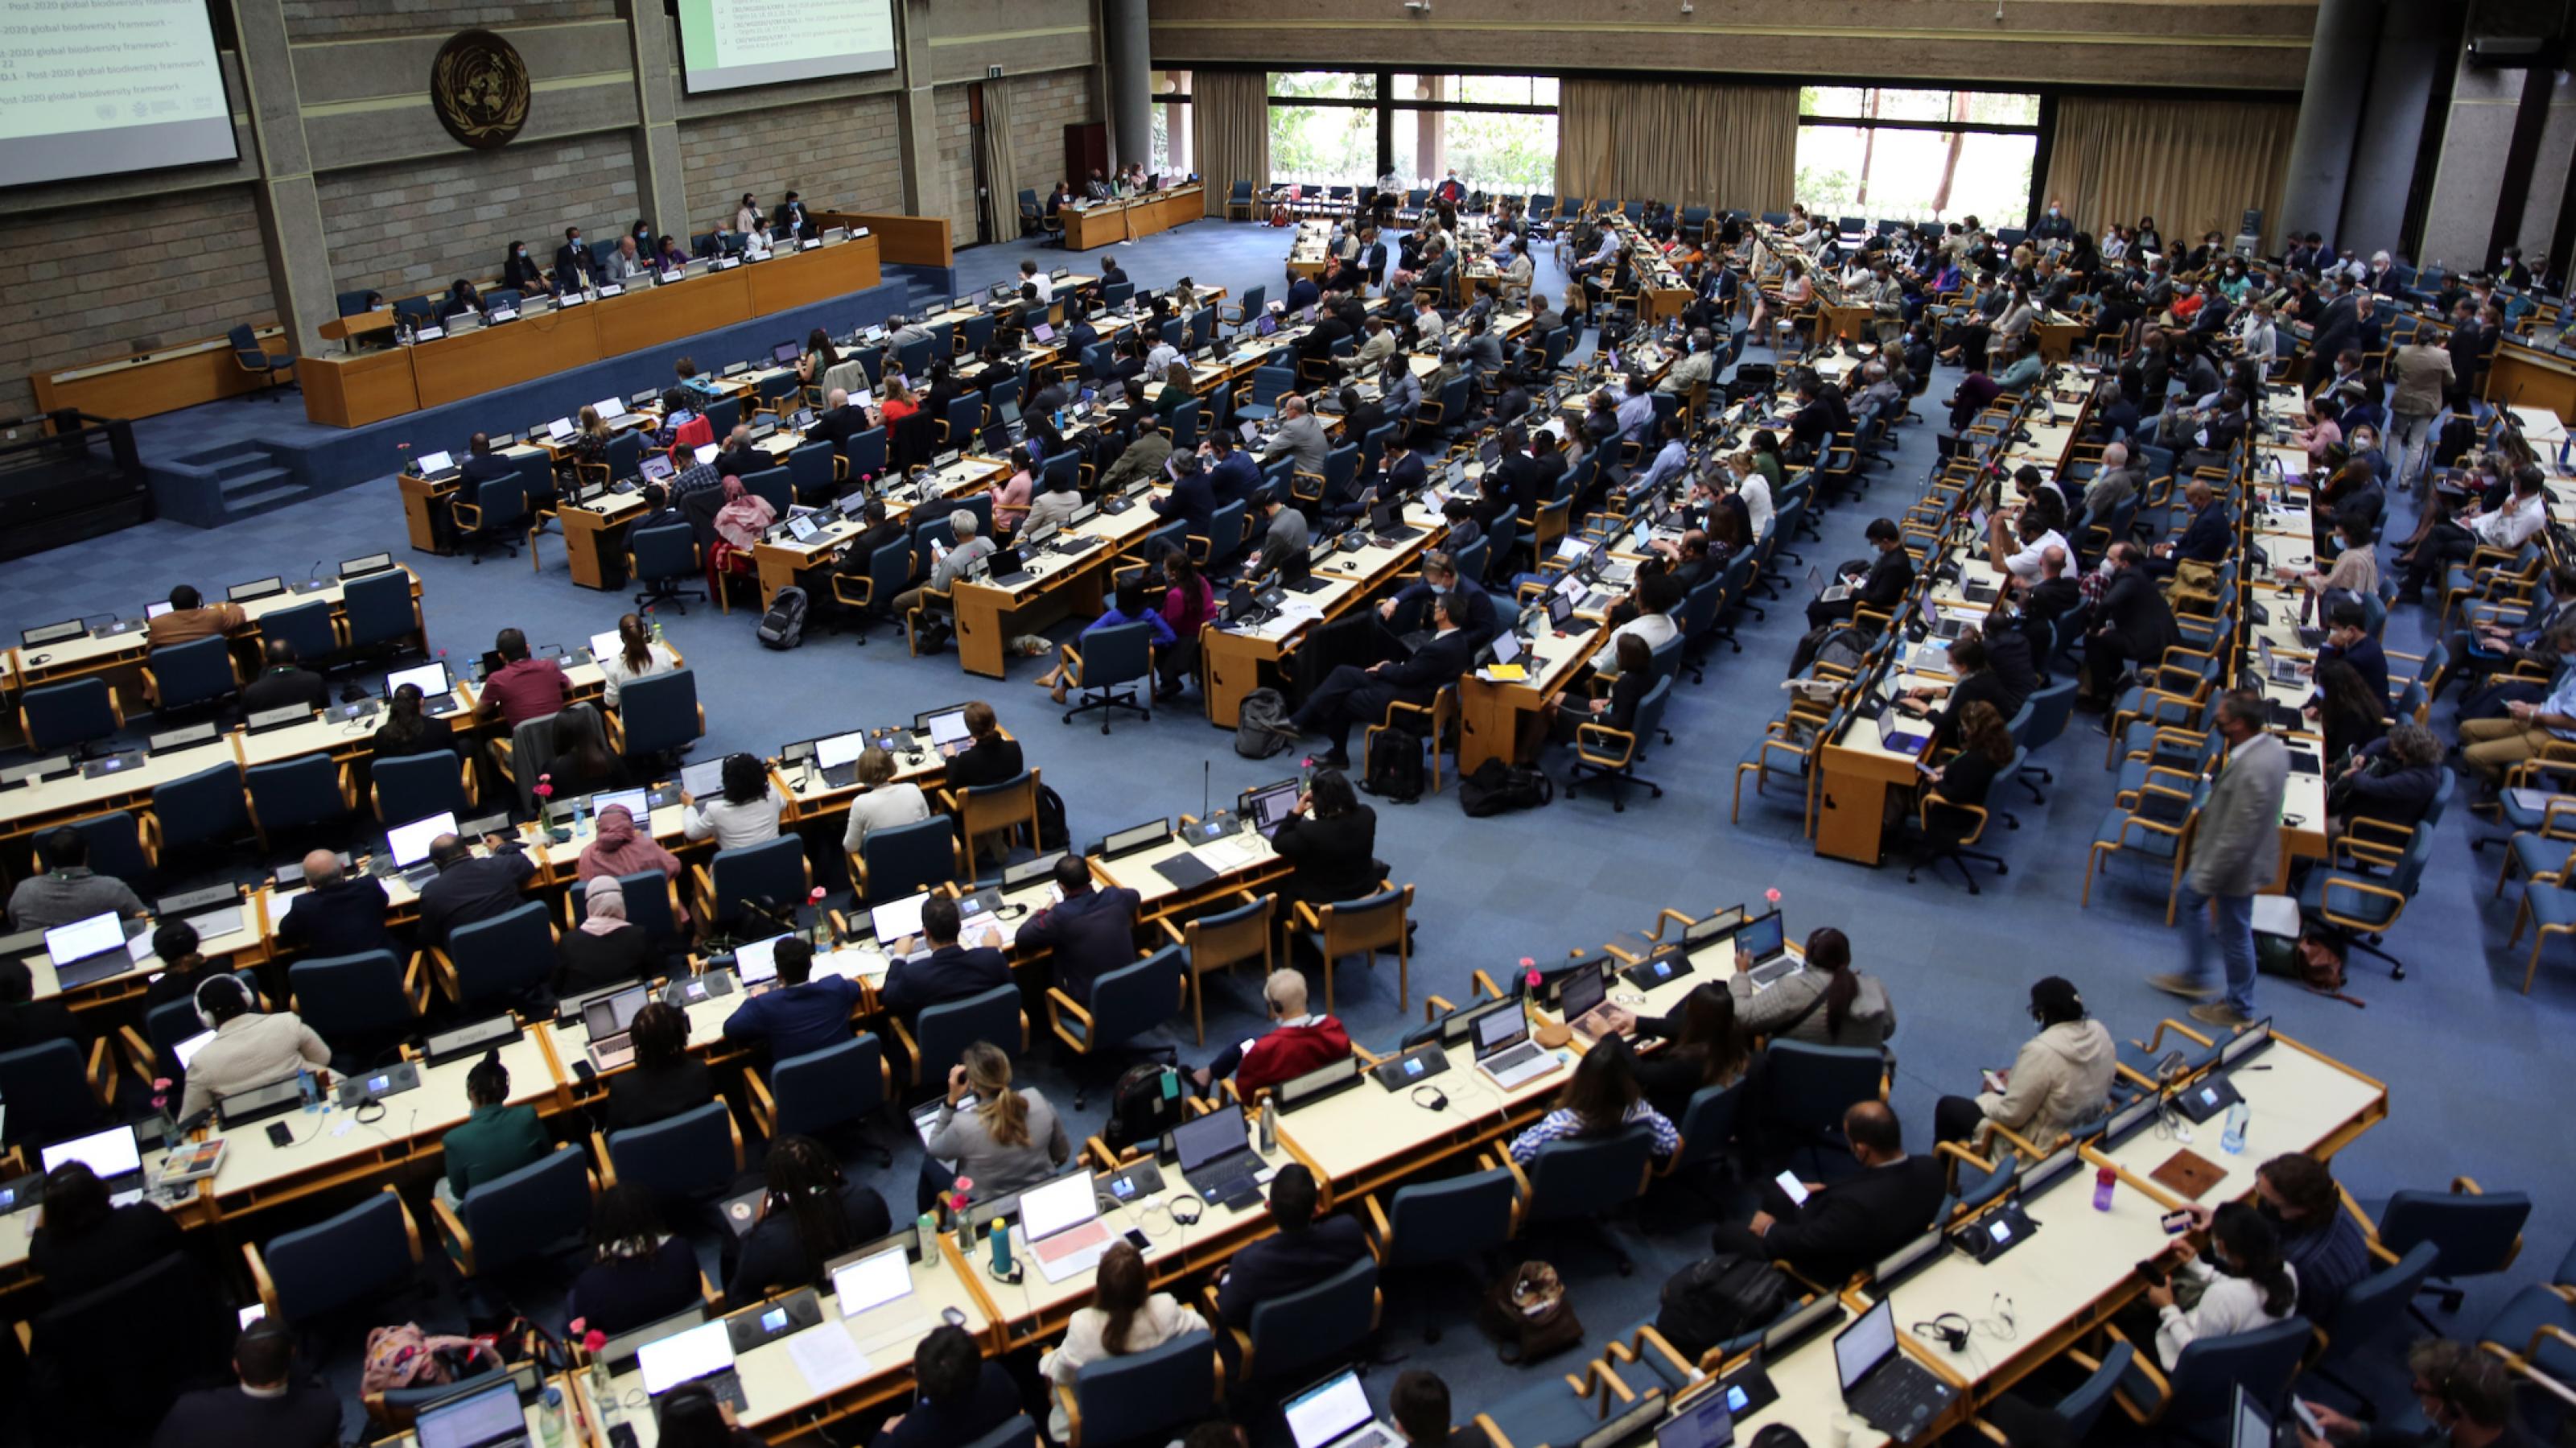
(2188,1173)
(827,1357)
(1503,674)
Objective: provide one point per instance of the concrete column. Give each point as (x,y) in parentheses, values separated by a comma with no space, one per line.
(659,180)
(2414,44)
(2339,66)
(1430,155)
(916,123)
(1130,54)
(290,209)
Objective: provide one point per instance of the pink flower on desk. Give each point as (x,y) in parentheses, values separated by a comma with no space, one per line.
(545,786)
(594,1342)
(578,1326)
(1772,894)
(1529,972)
(814,896)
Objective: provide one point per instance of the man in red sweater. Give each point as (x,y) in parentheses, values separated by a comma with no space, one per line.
(1296,1044)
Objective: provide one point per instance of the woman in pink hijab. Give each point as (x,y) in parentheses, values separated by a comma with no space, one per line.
(622,849)
(739,523)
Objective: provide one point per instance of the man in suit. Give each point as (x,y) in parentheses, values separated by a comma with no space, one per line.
(573,268)
(1440,580)
(1404,468)
(840,421)
(791,213)
(1842,1228)
(1232,475)
(481,464)
(336,914)
(269,1407)
(1518,479)
(2133,625)
(1890,574)
(281,683)
(962,1396)
(2473,336)
(1091,929)
(1373,256)
(2338,327)
(1298,436)
(470,887)
(1317,345)
(740,459)
(801,1014)
(2348,638)
(1352,695)
(2204,539)
(1192,497)
(2235,852)
(1303,1253)
(951,971)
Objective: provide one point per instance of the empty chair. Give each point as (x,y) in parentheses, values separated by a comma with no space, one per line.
(267,370)
(819,1092)
(1810,1086)
(1363,928)
(308,627)
(1301,1331)
(1142,1397)
(184,676)
(662,559)
(380,611)
(66,716)
(2200,1390)
(1123,1004)
(2083,1408)
(939,1036)
(54,1094)
(536,1211)
(695,1154)
(298,795)
(202,809)
(2475,1232)
(773,871)
(495,515)
(1580,1179)
(657,715)
(349,1000)
(350,1257)
(899,861)
(416,786)
(508,957)
(1226,938)
(1451,1222)
(1122,654)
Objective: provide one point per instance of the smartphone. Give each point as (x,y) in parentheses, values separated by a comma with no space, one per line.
(1136,1239)
(587,1072)
(1995,1080)
(2307,1417)
(278,1135)
(2151,1272)
(952,1317)
(2174,1223)
(1789,1185)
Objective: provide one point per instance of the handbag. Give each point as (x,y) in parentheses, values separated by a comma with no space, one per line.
(1528,1314)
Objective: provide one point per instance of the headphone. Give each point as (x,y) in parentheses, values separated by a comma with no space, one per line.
(205,1015)
(1185,1208)
(1943,1330)
(1439,1101)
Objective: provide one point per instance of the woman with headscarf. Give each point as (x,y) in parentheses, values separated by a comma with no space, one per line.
(619,848)
(608,949)
(739,523)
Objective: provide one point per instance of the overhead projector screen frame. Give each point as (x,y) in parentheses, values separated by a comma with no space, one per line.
(732,44)
(117,87)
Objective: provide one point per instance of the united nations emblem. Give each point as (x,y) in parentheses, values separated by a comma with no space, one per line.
(479,87)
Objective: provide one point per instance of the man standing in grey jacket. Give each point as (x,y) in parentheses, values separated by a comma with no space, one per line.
(2235,855)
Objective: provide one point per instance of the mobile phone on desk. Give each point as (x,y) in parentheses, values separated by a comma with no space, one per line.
(278,1135)
(1789,1185)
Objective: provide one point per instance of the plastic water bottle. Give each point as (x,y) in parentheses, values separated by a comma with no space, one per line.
(610,1414)
(2233,1139)
(550,1420)
(312,1091)
(2104,1181)
(581,816)
(928,1227)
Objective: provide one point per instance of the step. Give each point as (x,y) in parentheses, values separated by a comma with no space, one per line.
(240,465)
(231,484)
(240,505)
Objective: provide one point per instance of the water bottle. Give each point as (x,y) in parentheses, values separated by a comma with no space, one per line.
(2233,1139)
(581,816)
(928,1227)
(550,1420)
(2103,1182)
(610,1414)
(1269,1127)
(312,1091)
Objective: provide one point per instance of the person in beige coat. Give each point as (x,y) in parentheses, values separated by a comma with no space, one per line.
(2061,1079)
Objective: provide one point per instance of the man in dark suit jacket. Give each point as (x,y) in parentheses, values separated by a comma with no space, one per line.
(1193,496)
(1404,467)
(2348,639)
(2338,327)
(740,459)
(336,915)
(573,267)
(1303,1253)
(1477,617)
(1518,479)
(1890,574)
(801,1014)
(2204,539)
(469,887)
(951,971)
(961,1397)
(1091,931)
(1350,694)
(271,1407)
(2132,624)
(482,464)
(840,421)
(282,683)
(992,758)
(1232,474)
(1842,1228)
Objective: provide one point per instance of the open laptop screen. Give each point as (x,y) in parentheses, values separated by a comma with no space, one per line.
(1204,1139)
(409,843)
(82,939)
(1062,1203)
(1325,1412)
(110,1154)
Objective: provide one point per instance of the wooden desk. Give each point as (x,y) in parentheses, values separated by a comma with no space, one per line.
(1493,714)
(1100,223)
(2533,380)
(1367,1138)
(146,384)
(451,369)
(1239,862)
(1062,585)
(594,535)
(359,387)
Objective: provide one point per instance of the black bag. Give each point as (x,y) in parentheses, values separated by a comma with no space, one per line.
(1394,767)
(1529,1315)
(1052,834)
(1146,1102)
(1719,1298)
(1751,379)
(1499,788)
(783,627)
(1261,725)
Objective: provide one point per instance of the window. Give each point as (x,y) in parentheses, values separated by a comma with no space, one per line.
(1173,143)
(1498,132)
(1328,144)
(1922,155)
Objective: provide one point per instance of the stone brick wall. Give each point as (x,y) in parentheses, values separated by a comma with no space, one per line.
(1041,107)
(342,19)
(841,155)
(114,279)
(414,226)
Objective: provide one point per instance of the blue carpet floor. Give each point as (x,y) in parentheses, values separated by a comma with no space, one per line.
(2455,1042)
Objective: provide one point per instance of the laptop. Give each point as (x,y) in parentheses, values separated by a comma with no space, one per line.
(1268,806)
(703,1354)
(1708,1422)
(1582,994)
(873,1289)
(607,1020)
(1505,1052)
(756,962)
(837,758)
(407,847)
(2274,668)
(1902,733)
(1060,1226)
(87,951)
(437,689)
(437,467)
(947,731)
(1764,940)
(491,1418)
(1335,1413)
(1216,1160)
(1899,1396)
(113,1155)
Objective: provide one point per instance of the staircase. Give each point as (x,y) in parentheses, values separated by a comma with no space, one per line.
(925,289)
(226,484)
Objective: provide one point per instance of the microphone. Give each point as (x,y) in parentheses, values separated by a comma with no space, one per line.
(766,909)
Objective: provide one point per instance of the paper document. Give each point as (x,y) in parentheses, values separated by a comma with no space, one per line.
(827,1358)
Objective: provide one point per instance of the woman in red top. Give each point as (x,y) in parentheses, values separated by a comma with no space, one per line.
(899,403)
(1187,604)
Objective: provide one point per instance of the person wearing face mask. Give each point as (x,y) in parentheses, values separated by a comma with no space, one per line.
(573,271)
(2243,1283)
(521,270)
(1440,580)
(2464,1393)
(2056,225)
(2060,1080)
(2318,1240)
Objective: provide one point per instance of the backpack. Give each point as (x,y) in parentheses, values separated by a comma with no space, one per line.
(1529,1315)
(1261,725)
(1052,833)
(1842,645)
(783,627)
(1394,772)
(1716,1299)
(1499,788)
(1144,1104)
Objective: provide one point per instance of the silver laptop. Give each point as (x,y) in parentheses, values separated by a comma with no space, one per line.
(1505,1052)
(1060,1224)
(1335,1413)
(607,1021)
(1763,940)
